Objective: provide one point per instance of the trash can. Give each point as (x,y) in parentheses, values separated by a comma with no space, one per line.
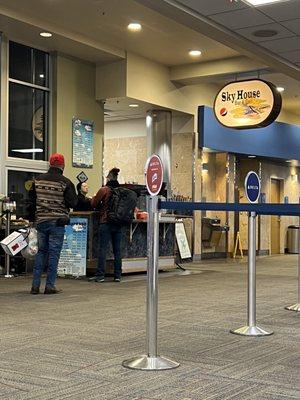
(293,239)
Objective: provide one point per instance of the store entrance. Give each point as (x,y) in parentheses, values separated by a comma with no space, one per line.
(275,219)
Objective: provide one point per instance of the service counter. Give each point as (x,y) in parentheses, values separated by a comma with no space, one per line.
(134,244)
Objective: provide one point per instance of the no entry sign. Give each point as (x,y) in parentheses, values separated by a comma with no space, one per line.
(252,186)
(154,174)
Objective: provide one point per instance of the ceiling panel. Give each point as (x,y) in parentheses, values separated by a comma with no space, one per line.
(208,7)
(282,11)
(293,25)
(249,32)
(280,45)
(293,56)
(241,18)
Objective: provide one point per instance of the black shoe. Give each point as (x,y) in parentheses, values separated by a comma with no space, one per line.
(96,279)
(117,279)
(35,290)
(52,290)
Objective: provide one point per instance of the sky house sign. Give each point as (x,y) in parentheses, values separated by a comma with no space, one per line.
(247,104)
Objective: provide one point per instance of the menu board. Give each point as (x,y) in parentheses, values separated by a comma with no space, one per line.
(73,255)
(83,143)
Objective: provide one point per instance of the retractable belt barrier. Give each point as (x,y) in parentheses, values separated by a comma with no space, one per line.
(261,209)
(151,360)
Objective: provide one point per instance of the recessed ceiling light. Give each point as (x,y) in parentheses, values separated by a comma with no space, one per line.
(133,105)
(42,76)
(257,3)
(252,156)
(134,27)
(46,34)
(280,89)
(195,53)
(265,33)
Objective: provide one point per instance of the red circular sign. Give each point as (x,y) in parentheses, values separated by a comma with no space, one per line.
(154,174)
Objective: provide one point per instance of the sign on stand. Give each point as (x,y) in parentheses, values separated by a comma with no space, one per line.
(154,174)
(252,187)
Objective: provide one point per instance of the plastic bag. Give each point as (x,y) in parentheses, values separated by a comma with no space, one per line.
(31,250)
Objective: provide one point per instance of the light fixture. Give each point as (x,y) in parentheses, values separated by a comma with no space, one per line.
(280,89)
(46,34)
(252,156)
(195,53)
(257,3)
(28,150)
(133,105)
(134,27)
(42,76)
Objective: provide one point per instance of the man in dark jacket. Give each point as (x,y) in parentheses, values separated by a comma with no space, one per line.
(51,197)
(108,232)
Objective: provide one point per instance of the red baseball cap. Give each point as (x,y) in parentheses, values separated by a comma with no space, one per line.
(57,160)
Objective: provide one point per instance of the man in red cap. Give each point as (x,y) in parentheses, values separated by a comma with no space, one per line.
(51,197)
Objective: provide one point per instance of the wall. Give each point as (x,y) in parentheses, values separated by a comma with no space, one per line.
(74,96)
(291,188)
(125,146)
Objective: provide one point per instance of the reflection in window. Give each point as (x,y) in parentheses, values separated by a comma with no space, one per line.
(28,65)
(27,122)
(19,184)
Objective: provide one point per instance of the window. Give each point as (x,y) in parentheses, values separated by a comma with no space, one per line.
(28,102)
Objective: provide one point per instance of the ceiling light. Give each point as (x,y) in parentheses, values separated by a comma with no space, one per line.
(42,76)
(280,89)
(46,34)
(251,156)
(134,27)
(265,33)
(28,150)
(195,53)
(133,105)
(257,3)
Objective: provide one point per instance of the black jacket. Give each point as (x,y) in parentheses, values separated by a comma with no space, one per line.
(83,203)
(51,197)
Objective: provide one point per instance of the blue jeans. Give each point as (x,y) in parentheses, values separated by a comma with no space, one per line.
(107,233)
(50,241)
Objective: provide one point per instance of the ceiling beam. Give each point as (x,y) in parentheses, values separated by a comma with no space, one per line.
(230,68)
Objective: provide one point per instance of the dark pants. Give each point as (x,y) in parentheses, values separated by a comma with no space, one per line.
(50,241)
(107,233)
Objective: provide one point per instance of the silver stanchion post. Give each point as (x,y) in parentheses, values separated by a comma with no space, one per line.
(296,307)
(251,329)
(7,256)
(151,360)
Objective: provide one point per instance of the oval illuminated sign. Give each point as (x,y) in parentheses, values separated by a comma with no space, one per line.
(247,104)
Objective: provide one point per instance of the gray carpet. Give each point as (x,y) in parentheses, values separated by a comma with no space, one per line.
(71,346)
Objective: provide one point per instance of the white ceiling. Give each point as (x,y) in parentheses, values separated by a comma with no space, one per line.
(244,20)
(101,25)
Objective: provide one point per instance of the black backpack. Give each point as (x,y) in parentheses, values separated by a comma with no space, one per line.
(122,203)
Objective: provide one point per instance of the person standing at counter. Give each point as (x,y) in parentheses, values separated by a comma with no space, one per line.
(108,232)
(51,197)
(84,202)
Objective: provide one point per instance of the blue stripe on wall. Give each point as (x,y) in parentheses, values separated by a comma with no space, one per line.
(278,140)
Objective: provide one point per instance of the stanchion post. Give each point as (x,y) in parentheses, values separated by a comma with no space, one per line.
(7,256)
(151,361)
(296,307)
(251,329)
(152,277)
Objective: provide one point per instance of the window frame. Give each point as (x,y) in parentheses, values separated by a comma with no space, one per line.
(16,163)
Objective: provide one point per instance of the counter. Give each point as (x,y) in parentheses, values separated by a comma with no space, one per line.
(134,244)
